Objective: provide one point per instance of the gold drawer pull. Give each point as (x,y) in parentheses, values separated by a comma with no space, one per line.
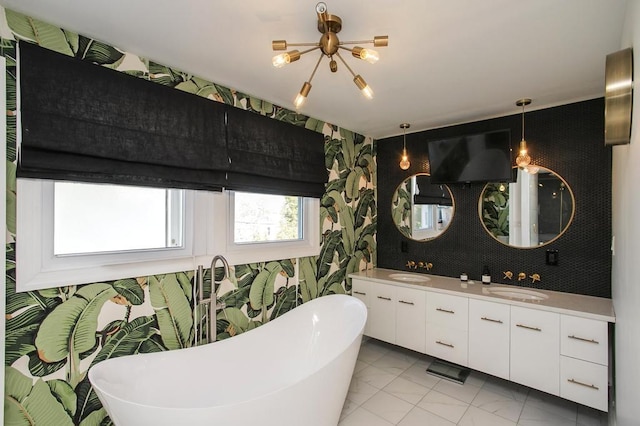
(406,303)
(491,320)
(361,293)
(449,345)
(445,310)
(384,298)
(575,382)
(582,339)
(528,327)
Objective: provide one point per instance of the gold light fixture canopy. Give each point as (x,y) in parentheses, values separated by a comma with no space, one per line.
(523,160)
(329,46)
(404,160)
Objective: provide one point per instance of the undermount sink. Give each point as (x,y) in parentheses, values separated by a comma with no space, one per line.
(410,278)
(517,293)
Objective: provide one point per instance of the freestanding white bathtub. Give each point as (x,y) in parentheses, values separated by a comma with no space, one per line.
(294,370)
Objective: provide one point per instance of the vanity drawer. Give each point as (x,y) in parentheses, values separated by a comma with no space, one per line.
(448,344)
(584,382)
(584,338)
(448,311)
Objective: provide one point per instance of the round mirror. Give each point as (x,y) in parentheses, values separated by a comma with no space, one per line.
(530,212)
(422,210)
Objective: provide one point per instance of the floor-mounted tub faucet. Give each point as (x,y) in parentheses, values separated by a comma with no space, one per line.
(215,300)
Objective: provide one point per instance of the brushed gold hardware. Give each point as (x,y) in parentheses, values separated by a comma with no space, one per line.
(406,303)
(522,276)
(491,320)
(582,339)
(528,327)
(384,298)
(411,264)
(425,265)
(361,293)
(534,278)
(507,275)
(445,310)
(449,345)
(575,382)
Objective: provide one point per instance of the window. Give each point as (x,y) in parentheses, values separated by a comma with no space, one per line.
(73,233)
(265,217)
(90,218)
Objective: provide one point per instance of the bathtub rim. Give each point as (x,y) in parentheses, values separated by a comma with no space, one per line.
(356,338)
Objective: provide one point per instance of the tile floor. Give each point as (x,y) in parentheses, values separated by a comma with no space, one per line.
(390,387)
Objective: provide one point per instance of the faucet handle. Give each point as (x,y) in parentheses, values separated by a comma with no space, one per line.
(508,275)
(534,278)
(411,264)
(426,265)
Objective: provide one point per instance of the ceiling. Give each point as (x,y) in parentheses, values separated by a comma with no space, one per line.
(448,61)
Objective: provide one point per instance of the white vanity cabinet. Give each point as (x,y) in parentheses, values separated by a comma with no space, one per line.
(447,327)
(489,337)
(584,360)
(410,318)
(559,345)
(535,348)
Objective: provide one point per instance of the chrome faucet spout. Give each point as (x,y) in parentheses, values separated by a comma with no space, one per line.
(215,300)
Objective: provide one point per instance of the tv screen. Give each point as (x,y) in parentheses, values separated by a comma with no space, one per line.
(484,157)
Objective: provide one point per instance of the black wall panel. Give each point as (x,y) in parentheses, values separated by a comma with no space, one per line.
(569,140)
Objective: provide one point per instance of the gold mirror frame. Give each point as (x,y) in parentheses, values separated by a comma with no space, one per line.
(403,209)
(497,218)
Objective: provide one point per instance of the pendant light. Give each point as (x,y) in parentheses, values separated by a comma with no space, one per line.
(523,159)
(404,162)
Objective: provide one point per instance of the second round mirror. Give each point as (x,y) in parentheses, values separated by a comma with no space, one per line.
(421,210)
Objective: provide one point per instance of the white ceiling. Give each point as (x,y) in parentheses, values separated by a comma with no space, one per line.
(448,61)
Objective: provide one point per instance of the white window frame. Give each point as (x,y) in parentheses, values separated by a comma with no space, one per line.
(37,266)
(208,232)
(243,253)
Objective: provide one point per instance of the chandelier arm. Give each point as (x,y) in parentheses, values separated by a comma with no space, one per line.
(309,50)
(316,67)
(357,42)
(303,44)
(346,65)
(345,48)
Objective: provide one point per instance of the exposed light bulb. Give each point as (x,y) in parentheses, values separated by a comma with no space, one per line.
(404,162)
(368,55)
(280,60)
(283,59)
(302,95)
(523,159)
(363,86)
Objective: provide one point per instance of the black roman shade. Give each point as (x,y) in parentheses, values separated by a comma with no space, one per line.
(272,156)
(431,193)
(88,123)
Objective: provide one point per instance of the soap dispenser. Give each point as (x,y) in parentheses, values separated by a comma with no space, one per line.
(486,275)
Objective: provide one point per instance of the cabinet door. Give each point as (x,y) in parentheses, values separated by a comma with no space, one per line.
(489,337)
(382,324)
(410,318)
(447,343)
(361,290)
(535,349)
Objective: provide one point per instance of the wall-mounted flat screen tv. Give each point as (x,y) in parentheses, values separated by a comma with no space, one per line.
(484,157)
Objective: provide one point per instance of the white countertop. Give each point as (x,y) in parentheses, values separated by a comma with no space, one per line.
(598,308)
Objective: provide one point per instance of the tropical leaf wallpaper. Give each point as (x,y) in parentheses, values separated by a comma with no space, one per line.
(54,336)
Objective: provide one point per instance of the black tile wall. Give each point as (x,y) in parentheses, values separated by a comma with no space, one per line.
(567,139)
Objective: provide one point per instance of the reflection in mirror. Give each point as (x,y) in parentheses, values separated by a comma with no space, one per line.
(531,212)
(422,210)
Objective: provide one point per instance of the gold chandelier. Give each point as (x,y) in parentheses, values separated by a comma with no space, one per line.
(329,44)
